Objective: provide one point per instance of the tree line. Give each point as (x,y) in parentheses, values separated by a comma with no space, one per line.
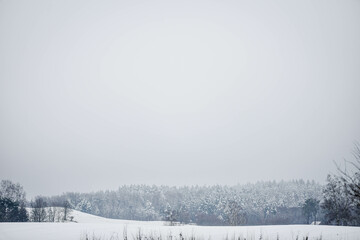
(284,202)
(15,208)
(250,204)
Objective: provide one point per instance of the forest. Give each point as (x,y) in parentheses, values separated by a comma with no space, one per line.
(249,204)
(262,203)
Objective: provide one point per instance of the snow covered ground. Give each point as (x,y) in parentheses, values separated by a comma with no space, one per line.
(113,229)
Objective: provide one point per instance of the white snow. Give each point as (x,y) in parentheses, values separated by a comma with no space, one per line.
(105,228)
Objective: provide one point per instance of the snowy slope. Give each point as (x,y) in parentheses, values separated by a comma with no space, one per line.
(81,217)
(105,228)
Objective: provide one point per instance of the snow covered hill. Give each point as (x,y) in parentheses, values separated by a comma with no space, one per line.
(81,217)
(106,229)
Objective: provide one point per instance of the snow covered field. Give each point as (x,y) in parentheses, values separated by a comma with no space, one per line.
(104,229)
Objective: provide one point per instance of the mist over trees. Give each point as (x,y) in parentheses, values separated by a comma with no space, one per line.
(259,203)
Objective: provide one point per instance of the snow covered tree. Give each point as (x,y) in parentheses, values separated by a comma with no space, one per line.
(170,215)
(268,211)
(351,180)
(336,204)
(66,210)
(235,213)
(12,191)
(261,202)
(149,212)
(12,202)
(84,206)
(51,214)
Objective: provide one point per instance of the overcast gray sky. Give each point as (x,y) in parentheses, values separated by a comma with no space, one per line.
(96,94)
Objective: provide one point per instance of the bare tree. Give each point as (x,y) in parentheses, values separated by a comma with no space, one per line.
(66,210)
(336,204)
(351,179)
(38,211)
(52,212)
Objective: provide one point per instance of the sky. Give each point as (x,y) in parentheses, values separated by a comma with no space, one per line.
(98,94)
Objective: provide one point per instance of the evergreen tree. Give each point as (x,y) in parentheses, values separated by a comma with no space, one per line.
(12,202)
(310,209)
(10,211)
(23,214)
